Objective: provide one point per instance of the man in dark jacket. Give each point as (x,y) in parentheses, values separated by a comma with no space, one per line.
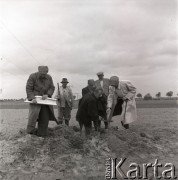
(89,88)
(88,110)
(39,84)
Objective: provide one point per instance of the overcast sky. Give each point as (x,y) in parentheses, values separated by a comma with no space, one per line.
(133,39)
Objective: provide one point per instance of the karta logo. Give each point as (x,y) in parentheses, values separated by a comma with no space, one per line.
(136,171)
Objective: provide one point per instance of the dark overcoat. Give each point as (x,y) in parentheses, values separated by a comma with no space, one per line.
(88,110)
(37,86)
(85,91)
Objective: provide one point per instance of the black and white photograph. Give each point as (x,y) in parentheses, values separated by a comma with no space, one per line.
(88,89)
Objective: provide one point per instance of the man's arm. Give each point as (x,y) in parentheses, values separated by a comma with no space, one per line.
(30,88)
(52,88)
(131,90)
(72,97)
(110,97)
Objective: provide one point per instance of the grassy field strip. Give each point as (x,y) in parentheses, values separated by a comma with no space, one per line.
(140,104)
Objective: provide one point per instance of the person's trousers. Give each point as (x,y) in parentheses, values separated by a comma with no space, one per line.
(96,124)
(43,121)
(87,123)
(64,113)
(88,128)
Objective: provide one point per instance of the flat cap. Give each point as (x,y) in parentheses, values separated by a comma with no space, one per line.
(100,73)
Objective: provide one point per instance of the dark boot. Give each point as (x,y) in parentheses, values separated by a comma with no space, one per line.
(87,131)
(126,126)
(106,125)
(33,132)
(81,127)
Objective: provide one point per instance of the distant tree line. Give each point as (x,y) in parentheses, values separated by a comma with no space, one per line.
(148,96)
(21,99)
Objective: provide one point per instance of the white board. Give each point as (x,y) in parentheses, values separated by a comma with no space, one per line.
(48,101)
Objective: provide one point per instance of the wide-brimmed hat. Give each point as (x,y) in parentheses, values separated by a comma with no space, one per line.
(64,80)
(114,81)
(43,69)
(100,74)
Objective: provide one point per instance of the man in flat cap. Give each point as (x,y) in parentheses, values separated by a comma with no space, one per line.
(102,101)
(121,101)
(66,100)
(39,84)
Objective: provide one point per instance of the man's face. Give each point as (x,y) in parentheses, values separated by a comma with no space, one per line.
(92,86)
(100,77)
(98,94)
(42,75)
(64,85)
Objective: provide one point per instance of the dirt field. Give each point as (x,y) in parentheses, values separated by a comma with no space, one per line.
(65,155)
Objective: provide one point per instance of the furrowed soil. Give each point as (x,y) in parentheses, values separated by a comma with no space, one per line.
(65,155)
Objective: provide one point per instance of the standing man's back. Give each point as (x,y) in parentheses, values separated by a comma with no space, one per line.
(102,83)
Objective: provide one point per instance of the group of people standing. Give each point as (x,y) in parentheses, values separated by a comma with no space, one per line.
(101,100)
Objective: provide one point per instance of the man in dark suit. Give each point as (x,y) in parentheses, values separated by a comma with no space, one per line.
(88,110)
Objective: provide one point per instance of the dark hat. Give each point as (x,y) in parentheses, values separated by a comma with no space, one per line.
(43,69)
(91,82)
(100,74)
(64,80)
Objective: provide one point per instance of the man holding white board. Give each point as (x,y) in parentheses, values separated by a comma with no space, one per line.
(39,84)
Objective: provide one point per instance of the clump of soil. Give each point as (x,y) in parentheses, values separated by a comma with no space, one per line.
(76,142)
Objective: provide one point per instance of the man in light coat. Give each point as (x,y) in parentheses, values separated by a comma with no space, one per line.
(39,84)
(66,101)
(121,93)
